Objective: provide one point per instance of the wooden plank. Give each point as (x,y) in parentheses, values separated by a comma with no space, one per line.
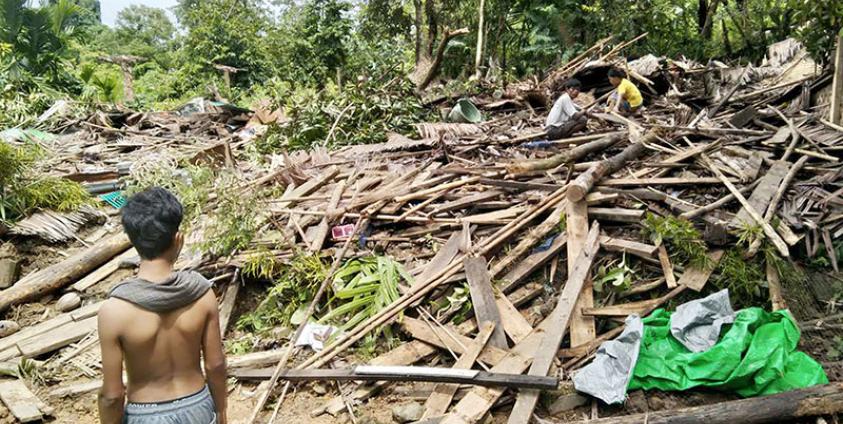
(525,294)
(621,310)
(404,374)
(59,337)
(443,257)
(771,234)
(102,272)
(227,305)
(325,225)
(695,278)
(531,264)
(582,327)
(624,182)
(467,201)
(835,112)
(667,268)
(443,394)
(546,353)
(483,298)
(22,403)
(613,244)
(307,188)
(515,325)
(616,214)
(763,193)
(448,337)
(477,403)
(8,345)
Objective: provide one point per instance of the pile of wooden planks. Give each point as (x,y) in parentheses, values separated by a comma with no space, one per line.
(548,242)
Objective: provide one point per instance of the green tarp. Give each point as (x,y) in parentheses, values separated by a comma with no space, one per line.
(756,355)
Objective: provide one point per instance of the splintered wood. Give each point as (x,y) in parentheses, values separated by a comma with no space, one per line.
(518,250)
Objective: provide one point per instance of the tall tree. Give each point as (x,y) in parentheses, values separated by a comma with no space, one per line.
(149,25)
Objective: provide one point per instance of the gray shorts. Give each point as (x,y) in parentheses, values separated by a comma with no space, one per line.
(197,408)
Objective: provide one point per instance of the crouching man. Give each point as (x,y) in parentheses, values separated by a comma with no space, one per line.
(565,117)
(161,325)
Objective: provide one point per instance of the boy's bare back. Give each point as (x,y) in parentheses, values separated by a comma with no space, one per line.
(162,350)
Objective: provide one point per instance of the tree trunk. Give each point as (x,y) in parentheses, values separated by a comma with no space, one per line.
(810,402)
(433,70)
(585,181)
(56,276)
(418,22)
(569,156)
(478,57)
(709,19)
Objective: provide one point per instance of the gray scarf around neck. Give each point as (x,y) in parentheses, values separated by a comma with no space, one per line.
(180,289)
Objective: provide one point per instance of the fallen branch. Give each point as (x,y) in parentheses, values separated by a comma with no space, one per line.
(585,181)
(813,401)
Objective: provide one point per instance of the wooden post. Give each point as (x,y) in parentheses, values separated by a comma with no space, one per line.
(836,110)
(126,63)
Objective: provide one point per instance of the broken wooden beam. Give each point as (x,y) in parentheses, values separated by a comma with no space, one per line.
(546,353)
(401,373)
(568,156)
(483,298)
(810,402)
(443,394)
(57,276)
(585,181)
(22,403)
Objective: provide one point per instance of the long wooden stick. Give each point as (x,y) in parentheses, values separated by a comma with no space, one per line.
(310,309)
(782,407)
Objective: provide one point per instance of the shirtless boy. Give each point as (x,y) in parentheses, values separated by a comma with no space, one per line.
(162,325)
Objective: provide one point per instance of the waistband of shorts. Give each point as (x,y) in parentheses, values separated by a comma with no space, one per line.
(142,408)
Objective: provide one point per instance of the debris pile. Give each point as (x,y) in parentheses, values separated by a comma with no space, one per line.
(501,259)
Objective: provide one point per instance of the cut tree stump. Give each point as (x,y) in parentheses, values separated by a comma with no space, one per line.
(9,270)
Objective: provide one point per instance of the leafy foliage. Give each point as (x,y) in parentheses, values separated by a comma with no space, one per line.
(365,286)
(744,278)
(295,285)
(618,277)
(684,241)
(23,190)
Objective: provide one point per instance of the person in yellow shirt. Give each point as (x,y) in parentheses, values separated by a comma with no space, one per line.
(627,99)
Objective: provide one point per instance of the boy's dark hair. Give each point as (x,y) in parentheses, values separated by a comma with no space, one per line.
(151,219)
(617,73)
(572,83)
